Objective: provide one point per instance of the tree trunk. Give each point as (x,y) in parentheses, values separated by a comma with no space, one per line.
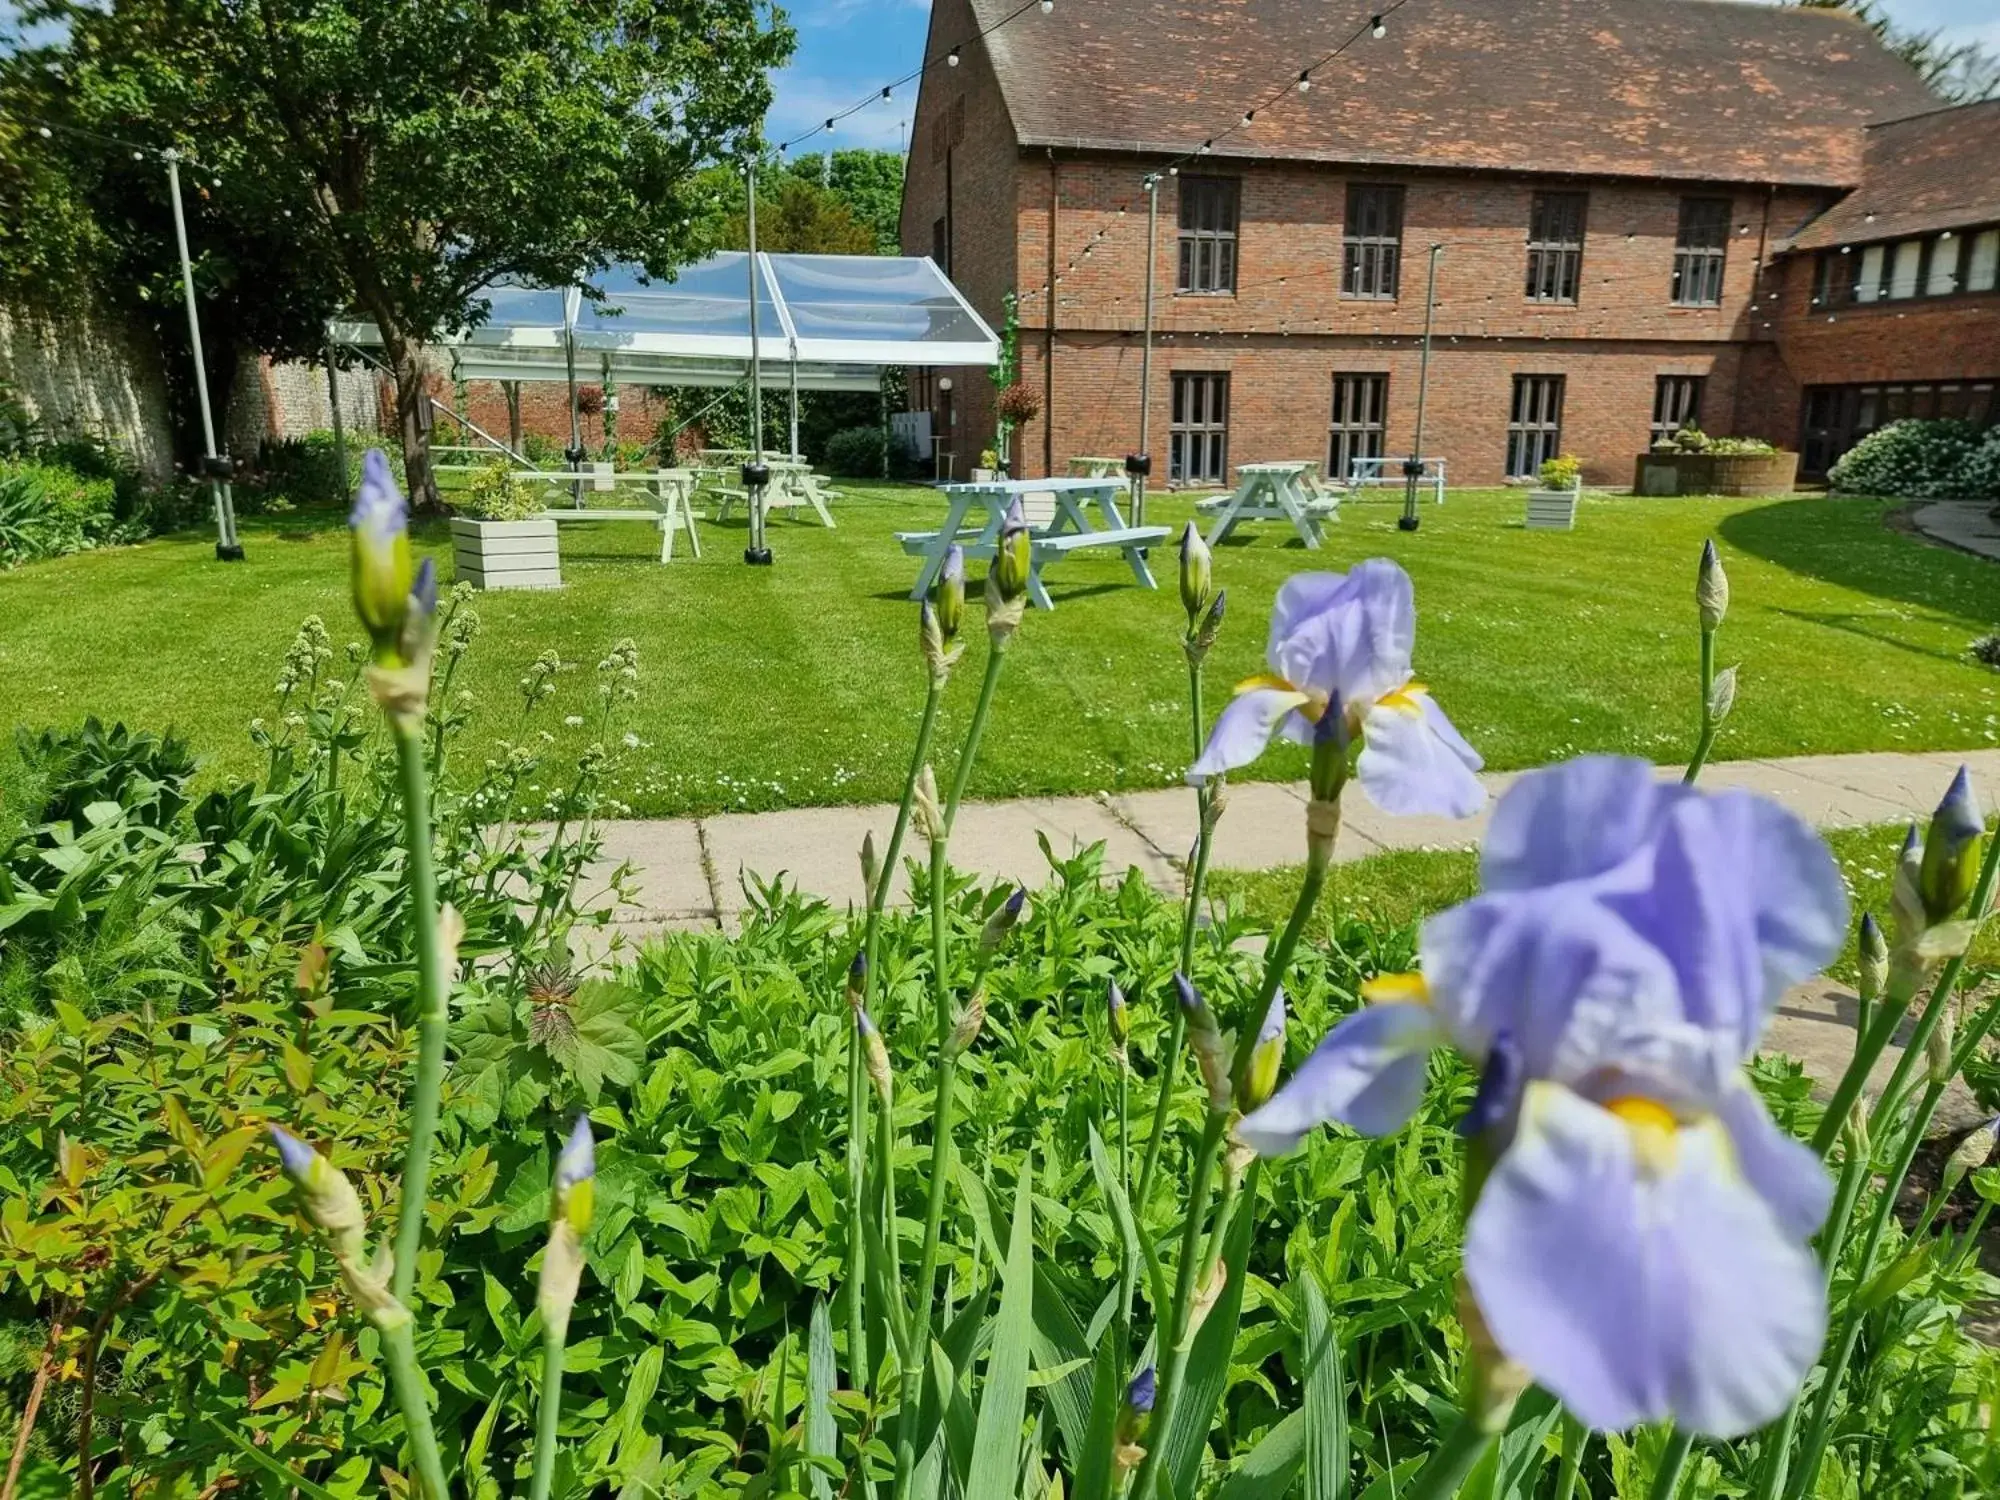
(412,414)
(513,390)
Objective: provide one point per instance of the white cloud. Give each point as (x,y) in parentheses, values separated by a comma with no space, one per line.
(804,99)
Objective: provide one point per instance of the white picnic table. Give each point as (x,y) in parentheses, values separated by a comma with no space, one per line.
(1389,471)
(1087,467)
(668,495)
(793,484)
(1074,514)
(1289,491)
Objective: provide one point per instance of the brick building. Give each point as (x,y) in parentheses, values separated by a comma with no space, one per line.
(1633,203)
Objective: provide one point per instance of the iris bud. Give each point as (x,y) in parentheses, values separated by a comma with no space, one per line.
(1873,959)
(1211,624)
(994,933)
(572,1197)
(326,1196)
(1116,1019)
(971,1021)
(857,980)
(1711,588)
(1722,695)
(924,807)
(383,572)
(1134,1417)
(1971,1153)
(1260,1074)
(871,865)
(1950,865)
(1197,574)
(1205,1037)
(874,1054)
(948,593)
(1011,556)
(1938,1050)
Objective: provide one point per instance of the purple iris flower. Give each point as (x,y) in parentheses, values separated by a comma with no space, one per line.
(1344,640)
(1640,1241)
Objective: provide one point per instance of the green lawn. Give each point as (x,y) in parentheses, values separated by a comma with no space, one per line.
(799,683)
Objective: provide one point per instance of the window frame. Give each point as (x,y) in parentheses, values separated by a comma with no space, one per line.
(1210,434)
(1665,426)
(1838,281)
(1371,258)
(1705,266)
(1539,435)
(1207,253)
(1344,431)
(1555,257)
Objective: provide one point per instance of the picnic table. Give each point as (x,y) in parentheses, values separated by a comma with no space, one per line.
(793,484)
(1290,491)
(667,496)
(1096,468)
(1075,513)
(1389,471)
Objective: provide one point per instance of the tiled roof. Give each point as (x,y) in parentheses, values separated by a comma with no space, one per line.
(1939,170)
(1717,90)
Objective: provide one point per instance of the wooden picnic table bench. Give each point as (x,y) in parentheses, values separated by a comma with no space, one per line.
(1070,527)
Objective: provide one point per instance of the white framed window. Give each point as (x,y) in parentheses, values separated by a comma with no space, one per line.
(1868,285)
(1907,257)
(1984,261)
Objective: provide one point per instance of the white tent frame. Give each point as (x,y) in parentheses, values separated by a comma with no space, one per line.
(536,351)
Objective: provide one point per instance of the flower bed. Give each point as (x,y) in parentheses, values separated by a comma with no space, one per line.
(1674,473)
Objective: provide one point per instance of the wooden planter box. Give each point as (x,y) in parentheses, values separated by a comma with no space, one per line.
(1715,473)
(506,554)
(1552,510)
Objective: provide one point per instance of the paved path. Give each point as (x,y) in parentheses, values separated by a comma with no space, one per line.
(690,871)
(1970,525)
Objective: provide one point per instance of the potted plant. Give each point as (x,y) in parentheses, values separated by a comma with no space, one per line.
(1552,506)
(500,539)
(1691,462)
(988,469)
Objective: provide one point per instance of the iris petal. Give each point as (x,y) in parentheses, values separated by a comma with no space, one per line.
(1368,1072)
(1348,635)
(1408,767)
(1572,821)
(1787,1175)
(1638,1290)
(1242,730)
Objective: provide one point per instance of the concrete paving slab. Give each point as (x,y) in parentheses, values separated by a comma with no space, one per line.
(1815,1023)
(816,848)
(667,877)
(1821,802)
(1263,824)
(1969,525)
(1913,783)
(998,839)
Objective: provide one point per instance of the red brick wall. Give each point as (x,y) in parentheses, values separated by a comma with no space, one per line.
(1945,339)
(1281,394)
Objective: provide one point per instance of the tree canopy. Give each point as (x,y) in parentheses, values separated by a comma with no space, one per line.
(400,159)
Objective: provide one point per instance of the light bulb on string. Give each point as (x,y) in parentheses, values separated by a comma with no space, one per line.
(885,93)
(1305,83)
(1377,27)
(1047,6)
(951,58)
(46,133)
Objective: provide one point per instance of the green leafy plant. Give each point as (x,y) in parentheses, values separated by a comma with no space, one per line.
(1562,473)
(498,493)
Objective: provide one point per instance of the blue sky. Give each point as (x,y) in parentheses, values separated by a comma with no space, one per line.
(849,48)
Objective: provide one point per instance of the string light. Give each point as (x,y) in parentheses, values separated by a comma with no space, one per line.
(1377,27)
(885,93)
(1047,6)
(951,57)
(1305,81)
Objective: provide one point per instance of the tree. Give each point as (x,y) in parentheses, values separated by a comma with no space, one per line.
(870,183)
(797,216)
(1961,72)
(405,157)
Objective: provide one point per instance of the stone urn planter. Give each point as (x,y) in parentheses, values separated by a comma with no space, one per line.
(1663,473)
(506,554)
(1552,510)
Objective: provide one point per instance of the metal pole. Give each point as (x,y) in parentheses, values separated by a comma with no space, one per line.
(756,473)
(1146,352)
(1413,466)
(339,422)
(574,453)
(792,346)
(227,547)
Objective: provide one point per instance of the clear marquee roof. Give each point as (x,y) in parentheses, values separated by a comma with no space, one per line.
(841,318)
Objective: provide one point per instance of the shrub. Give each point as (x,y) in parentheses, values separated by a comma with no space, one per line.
(1987,649)
(497,493)
(302,470)
(1563,473)
(1018,403)
(1914,459)
(1689,438)
(856,452)
(1740,447)
(49,510)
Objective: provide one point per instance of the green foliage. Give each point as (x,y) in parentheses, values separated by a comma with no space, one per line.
(301,471)
(796,214)
(869,183)
(1916,459)
(47,510)
(857,452)
(498,493)
(1562,473)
